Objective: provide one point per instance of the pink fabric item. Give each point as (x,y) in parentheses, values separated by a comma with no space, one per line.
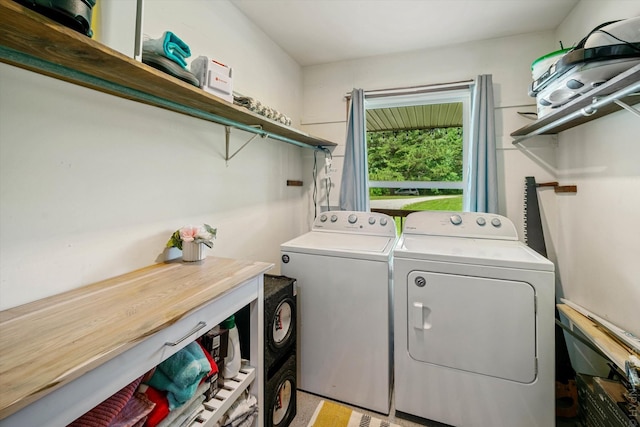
(103,414)
(136,409)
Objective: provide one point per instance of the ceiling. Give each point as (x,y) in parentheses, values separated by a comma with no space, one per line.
(322,31)
(415,117)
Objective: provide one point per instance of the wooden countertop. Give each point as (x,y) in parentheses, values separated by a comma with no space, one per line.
(47,343)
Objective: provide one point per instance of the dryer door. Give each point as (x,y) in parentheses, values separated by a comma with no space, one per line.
(474,324)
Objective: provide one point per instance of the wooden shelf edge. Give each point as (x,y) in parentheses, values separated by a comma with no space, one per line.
(618,82)
(617,353)
(36,43)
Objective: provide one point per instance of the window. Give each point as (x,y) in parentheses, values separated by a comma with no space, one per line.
(416,147)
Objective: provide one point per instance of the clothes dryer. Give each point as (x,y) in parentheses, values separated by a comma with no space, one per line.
(474,323)
(342,269)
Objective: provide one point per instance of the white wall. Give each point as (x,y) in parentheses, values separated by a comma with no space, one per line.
(598,235)
(593,236)
(507,59)
(92,186)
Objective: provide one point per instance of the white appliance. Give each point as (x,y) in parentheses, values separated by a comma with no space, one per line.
(474,323)
(343,275)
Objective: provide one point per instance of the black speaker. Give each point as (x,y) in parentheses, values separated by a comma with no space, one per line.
(279,319)
(280,402)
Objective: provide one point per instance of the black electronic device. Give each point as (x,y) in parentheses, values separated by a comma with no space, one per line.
(279,318)
(280,391)
(280,331)
(75,14)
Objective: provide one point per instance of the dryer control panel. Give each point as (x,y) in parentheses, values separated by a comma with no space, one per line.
(461,224)
(356,222)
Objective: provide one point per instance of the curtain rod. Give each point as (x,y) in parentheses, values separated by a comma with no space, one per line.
(463,84)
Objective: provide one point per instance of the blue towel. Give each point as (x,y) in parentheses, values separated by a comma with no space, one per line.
(180,374)
(169,46)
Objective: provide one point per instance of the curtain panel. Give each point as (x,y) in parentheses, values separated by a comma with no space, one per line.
(482,184)
(354,191)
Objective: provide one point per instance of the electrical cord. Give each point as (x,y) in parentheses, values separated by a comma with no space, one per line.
(328,180)
(315,185)
(631,45)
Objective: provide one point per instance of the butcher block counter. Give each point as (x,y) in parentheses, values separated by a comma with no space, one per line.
(63,355)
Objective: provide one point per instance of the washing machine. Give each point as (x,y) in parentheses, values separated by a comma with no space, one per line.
(343,275)
(474,323)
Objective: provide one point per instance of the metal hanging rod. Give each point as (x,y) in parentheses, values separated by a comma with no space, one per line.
(69,74)
(588,110)
(411,90)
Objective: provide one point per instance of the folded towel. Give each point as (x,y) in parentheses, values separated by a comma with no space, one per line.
(180,374)
(256,106)
(161,408)
(186,366)
(241,411)
(179,413)
(170,46)
(137,409)
(214,365)
(106,412)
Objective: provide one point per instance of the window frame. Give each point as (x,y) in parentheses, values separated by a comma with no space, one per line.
(442,96)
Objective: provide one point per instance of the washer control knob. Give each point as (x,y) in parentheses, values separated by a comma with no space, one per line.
(323,218)
(481,221)
(334,218)
(372,220)
(352,219)
(496,222)
(383,221)
(456,219)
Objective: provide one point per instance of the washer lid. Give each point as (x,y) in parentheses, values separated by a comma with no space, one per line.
(498,253)
(341,244)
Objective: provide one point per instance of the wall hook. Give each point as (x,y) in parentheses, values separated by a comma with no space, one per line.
(559,188)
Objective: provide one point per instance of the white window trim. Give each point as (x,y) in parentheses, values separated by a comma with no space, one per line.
(444,97)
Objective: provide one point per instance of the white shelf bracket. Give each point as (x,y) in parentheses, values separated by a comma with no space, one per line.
(227,135)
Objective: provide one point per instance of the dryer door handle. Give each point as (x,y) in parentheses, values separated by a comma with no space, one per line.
(420,316)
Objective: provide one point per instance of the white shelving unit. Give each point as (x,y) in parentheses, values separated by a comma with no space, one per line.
(104,335)
(620,92)
(233,388)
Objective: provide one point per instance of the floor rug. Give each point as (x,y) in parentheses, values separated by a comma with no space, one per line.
(329,414)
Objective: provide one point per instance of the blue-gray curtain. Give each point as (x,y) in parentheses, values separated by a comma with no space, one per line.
(354,189)
(482,185)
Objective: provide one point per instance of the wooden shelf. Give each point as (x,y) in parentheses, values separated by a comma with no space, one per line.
(31,41)
(610,347)
(620,82)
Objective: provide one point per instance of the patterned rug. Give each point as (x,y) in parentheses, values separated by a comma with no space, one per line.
(329,414)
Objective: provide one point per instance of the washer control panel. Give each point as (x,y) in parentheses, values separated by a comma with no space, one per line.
(356,222)
(460,224)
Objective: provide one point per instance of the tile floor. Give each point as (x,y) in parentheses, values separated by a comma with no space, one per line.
(307,404)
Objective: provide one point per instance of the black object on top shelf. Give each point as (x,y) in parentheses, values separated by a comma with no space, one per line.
(75,14)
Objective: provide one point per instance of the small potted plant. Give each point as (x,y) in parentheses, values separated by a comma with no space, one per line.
(190,239)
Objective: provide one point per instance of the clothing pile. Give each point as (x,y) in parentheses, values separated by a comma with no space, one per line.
(168,54)
(256,106)
(171,396)
(241,414)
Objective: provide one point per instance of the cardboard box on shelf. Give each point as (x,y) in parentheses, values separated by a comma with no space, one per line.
(214,76)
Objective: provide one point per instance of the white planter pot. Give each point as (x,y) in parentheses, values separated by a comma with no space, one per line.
(192,251)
